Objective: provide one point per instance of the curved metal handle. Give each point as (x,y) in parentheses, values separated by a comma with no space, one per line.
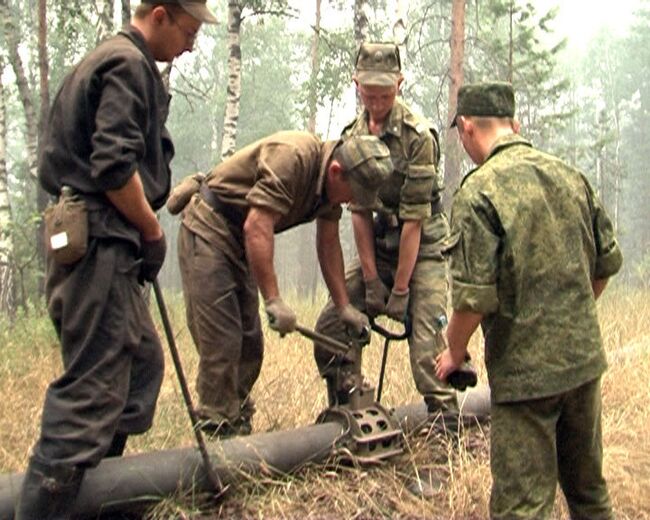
(389,334)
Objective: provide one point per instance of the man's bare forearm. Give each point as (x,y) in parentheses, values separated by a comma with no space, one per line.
(365,241)
(131,202)
(259,242)
(462,325)
(330,257)
(409,246)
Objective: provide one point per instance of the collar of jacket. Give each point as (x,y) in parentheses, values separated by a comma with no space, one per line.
(504,142)
(138,40)
(499,145)
(394,120)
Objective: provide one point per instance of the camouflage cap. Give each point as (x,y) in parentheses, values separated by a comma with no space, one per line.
(366,159)
(378,64)
(490,99)
(195,8)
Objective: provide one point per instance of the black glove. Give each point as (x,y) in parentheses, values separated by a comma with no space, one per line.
(354,319)
(281,317)
(153,256)
(397,305)
(376,295)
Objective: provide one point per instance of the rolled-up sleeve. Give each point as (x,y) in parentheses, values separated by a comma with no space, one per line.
(473,256)
(121,123)
(609,257)
(415,197)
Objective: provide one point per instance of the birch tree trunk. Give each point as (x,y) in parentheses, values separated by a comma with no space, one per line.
(399,27)
(126,12)
(106,24)
(360,30)
(12,39)
(233,93)
(457,56)
(7,283)
(360,21)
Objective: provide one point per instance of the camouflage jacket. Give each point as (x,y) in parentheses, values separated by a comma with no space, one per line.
(415,187)
(528,237)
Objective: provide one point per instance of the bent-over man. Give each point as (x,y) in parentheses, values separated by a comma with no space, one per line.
(226,245)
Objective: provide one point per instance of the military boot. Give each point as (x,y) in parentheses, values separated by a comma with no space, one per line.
(48,492)
(336,396)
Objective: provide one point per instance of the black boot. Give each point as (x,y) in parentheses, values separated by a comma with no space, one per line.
(48,492)
(335,395)
(117,446)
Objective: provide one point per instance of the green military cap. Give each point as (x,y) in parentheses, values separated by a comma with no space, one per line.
(378,64)
(366,159)
(195,8)
(489,99)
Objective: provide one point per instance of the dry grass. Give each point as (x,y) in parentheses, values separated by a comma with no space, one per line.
(455,477)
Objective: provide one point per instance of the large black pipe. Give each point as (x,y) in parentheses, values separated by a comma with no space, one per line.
(131,482)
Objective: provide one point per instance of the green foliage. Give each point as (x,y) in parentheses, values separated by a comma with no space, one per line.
(28,334)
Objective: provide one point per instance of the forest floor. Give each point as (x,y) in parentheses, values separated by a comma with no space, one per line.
(290,394)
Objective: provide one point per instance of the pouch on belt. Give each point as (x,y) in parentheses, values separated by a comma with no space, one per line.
(387,232)
(183,192)
(66,228)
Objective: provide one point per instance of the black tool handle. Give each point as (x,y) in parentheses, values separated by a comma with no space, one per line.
(212,476)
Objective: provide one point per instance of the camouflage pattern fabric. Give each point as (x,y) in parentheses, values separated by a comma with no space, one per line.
(378,64)
(411,191)
(535,443)
(528,237)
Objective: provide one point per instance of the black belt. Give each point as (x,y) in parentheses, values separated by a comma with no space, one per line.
(233,215)
(436,207)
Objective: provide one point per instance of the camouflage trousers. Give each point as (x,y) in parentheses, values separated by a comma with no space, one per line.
(222,307)
(536,443)
(428,298)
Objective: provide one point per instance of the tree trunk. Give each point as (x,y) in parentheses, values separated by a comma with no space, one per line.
(106,23)
(228,143)
(25,92)
(126,12)
(44,75)
(308,260)
(452,145)
(315,66)
(12,39)
(360,21)
(399,27)
(7,283)
(511,43)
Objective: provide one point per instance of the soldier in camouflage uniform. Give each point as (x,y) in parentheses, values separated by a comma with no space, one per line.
(531,250)
(225,249)
(401,248)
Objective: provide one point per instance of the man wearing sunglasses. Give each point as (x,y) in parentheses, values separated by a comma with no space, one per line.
(106,143)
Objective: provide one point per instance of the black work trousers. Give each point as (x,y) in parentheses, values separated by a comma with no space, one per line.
(112,359)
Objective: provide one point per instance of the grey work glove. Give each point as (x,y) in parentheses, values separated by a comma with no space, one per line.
(356,320)
(153,255)
(376,295)
(281,317)
(397,305)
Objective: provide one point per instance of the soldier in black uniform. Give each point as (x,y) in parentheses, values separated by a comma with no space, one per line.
(106,141)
